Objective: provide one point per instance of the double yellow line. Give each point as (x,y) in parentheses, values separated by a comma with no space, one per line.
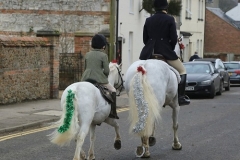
(3,138)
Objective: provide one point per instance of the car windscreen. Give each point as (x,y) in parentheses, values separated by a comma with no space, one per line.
(232,65)
(197,68)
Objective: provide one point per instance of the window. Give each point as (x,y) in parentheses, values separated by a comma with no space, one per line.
(209,1)
(131,6)
(200,10)
(130,48)
(200,48)
(188,9)
(197,47)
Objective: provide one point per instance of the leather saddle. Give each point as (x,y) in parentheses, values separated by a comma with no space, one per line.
(107,95)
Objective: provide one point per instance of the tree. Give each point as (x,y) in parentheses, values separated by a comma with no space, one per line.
(147,5)
(174,7)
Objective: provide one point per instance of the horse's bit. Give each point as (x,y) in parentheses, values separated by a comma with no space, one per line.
(120,87)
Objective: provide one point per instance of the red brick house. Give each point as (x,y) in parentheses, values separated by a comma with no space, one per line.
(222,36)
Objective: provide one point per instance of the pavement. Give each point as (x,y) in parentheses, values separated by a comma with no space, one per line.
(25,115)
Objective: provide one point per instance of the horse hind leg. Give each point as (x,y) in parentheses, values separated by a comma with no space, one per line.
(143,151)
(117,140)
(91,155)
(82,155)
(176,144)
(152,140)
(80,140)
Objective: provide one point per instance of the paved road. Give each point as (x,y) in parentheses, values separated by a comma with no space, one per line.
(209,129)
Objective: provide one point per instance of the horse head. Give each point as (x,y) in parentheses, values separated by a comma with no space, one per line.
(115,76)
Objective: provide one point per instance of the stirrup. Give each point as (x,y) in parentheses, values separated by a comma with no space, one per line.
(113,116)
(184,100)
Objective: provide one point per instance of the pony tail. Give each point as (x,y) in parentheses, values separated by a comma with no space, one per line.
(68,123)
(144,107)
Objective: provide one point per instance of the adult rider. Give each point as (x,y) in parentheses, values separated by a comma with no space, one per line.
(160,32)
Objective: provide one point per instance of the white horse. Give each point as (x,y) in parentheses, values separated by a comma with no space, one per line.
(150,85)
(83,108)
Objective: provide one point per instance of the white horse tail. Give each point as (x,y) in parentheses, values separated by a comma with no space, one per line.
(68,124)
(144,107)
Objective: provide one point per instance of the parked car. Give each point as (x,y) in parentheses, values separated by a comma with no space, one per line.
(233,68)
(218,64)
(202,79)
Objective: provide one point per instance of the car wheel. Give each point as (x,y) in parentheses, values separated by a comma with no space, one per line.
(228,86)
(220,88)
(212,91)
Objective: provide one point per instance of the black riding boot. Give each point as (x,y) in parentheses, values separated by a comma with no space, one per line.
(113,113)
(182,98)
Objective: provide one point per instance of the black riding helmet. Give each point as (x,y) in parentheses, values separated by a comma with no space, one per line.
(99,41)
(160,5)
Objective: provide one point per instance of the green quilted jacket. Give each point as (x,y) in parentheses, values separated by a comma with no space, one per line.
(96,66)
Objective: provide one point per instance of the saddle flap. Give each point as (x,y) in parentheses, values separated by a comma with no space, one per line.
(107,95)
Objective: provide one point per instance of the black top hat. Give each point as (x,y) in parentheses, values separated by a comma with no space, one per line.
(160,4)
(99,41)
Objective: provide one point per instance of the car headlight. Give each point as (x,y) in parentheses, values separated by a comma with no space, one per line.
(207,82)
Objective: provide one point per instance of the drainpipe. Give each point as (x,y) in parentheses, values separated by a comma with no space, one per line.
(112,30)
(117,27)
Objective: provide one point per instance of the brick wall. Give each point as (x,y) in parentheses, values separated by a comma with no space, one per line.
(25,69)
(221,37)
(83,41)
(25,17)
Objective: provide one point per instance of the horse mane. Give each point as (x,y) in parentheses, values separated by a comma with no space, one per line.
(113,66)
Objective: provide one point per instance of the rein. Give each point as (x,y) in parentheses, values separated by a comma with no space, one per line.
(120,87)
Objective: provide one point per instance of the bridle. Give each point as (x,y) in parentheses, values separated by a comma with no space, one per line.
(119,86)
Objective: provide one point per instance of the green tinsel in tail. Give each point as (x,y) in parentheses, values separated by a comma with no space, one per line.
(69,113)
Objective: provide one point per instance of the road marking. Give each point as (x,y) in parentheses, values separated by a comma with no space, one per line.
(3,138)
(50,113)
(122,109)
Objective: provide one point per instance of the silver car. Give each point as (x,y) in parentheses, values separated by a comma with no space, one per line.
(233,68)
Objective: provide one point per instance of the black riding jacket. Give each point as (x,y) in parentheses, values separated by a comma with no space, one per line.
(161,28)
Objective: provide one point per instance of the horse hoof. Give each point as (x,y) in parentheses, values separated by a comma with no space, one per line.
(146,156)
(177,147)
(152,141)
(117,144)
(140,151)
